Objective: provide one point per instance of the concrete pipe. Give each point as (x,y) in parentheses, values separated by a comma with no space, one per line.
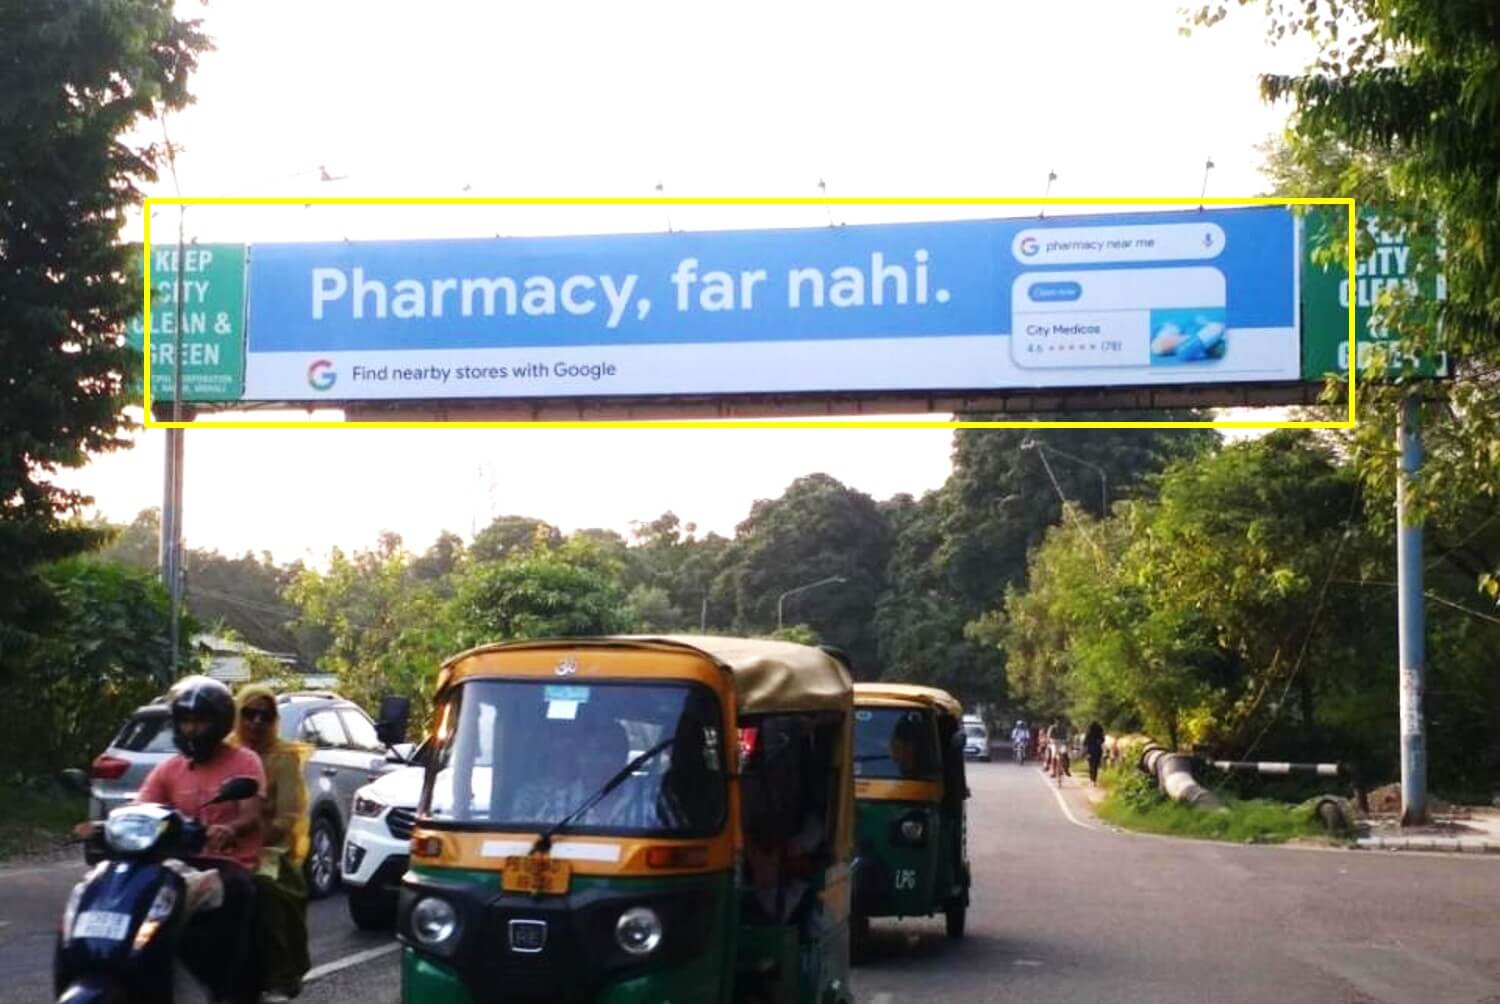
(1174,776)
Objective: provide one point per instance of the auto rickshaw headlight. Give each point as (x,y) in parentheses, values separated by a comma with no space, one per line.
(910,829)
(433,921)
(639,930)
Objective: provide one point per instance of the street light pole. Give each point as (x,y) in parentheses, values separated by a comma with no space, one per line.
(801,589)
(1032,444)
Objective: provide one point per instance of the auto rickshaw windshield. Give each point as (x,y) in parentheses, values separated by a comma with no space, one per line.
(895,743)
(521,755)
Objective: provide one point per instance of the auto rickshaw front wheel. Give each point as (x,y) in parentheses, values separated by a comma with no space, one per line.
(954,916)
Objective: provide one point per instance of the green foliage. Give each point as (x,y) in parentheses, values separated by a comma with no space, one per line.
(111,652)
(80,77)
(817,529)
(1211,615)
(37,817)
(536,597)
(1130,789)
(510,536)
(1252,822)
(1402,110)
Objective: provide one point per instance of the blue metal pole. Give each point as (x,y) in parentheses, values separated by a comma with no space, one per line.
(1410,625)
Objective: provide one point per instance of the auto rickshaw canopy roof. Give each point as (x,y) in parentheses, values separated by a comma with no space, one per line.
(767,676)
(943,701)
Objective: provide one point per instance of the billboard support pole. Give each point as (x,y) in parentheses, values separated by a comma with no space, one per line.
(1410,627)
(172,527)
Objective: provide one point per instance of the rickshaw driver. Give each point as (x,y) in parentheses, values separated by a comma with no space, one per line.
(574,769)
(904,751)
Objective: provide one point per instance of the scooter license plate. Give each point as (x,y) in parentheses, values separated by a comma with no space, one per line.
(102,924)
(536,875)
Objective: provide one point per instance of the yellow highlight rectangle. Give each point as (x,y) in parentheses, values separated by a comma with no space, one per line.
(1348,203)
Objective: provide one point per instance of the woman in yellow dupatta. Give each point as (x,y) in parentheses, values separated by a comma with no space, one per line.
(280,886)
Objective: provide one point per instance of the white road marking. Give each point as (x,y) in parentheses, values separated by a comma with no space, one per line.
(358,958)
(1062,803)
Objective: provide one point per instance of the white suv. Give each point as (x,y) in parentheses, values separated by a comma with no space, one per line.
(377,846)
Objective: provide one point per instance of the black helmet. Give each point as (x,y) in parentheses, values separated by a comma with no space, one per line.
(202,697)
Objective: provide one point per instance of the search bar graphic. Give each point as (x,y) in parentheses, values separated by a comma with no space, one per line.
(1109,245)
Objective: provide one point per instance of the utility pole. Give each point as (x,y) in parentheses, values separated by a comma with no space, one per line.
(1409,620)
(170,549)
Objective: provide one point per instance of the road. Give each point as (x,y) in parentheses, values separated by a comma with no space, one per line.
(1067,910)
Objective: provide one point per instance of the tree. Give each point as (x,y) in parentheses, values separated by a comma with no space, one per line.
(111,652)
(536,596)
(507,536)
(440,560)
(80,76)
(817,529)
(1406,99)
(957,550)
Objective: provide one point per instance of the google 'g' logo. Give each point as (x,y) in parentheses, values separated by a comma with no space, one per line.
(1028,246)
(320,375)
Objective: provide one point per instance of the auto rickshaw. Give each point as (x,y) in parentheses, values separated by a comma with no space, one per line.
(911,857)
(634,820)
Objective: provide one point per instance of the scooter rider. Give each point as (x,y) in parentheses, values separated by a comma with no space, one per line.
(1020,740)
(217,946)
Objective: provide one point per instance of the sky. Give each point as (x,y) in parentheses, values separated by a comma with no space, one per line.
(571,99)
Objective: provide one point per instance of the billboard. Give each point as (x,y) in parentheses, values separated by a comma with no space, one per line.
(1327,291)
(212,322)
(1203,297)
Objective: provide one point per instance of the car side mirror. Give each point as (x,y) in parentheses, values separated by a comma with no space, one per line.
(395,713)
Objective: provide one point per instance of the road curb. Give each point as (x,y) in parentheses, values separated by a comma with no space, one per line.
(1451,845)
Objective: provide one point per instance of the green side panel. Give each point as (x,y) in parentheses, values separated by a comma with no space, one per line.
(921,878)
(427,982)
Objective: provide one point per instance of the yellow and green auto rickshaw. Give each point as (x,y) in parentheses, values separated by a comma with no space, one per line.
(634,820)
(911,857)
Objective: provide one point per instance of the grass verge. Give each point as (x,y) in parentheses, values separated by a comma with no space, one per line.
(1133,802)
(36,819)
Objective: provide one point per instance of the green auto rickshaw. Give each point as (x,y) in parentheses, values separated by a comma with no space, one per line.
(634,820)
(911,857)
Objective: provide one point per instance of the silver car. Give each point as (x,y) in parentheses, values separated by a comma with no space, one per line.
(347,755)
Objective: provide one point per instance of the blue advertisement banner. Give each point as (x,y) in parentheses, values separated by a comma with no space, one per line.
(1204,296)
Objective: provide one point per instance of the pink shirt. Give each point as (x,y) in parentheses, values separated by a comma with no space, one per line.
(185,786)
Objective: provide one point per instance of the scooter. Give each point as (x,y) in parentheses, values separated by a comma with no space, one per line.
(119,934)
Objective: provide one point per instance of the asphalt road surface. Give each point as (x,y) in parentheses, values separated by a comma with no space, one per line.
(1064,910)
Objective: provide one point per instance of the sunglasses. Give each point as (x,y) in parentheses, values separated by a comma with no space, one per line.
(257,715)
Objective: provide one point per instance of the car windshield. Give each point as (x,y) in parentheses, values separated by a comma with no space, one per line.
(522,755)
(149,733)
(895,743)
(974,731)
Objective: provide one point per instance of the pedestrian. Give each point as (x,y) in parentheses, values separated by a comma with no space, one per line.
(281,889)
(1093,748)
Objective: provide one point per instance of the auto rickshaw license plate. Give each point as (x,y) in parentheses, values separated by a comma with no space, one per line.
(536,875)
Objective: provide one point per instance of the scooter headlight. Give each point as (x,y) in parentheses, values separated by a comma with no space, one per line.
(639,930)
(132,833)
(433,921)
